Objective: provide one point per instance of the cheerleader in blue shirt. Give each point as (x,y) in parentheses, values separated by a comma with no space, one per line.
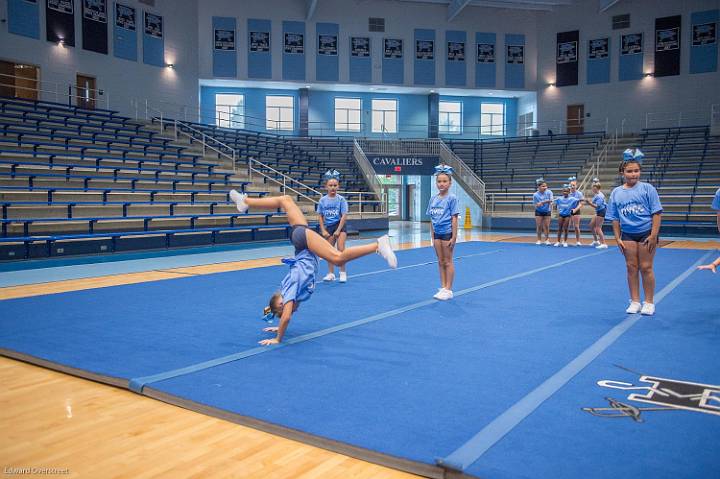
(635,210)
(333,210)
(596,223)
(299,284)
(566,205)
(443,210)
(575,218)
(716,207)
(542,199)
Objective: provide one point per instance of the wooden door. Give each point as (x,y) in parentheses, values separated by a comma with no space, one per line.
(575,119)
(85,92)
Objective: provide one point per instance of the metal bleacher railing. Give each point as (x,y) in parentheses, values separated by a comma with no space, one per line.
(55,91)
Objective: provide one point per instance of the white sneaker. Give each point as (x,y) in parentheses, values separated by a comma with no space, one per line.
(648,309)
(239,199)
(385,250)
(449,294)
(601,246)
(634,308)
(594,243)
(557,244)
(578,244)
(329,277)
(444,295)
(343,277)
(565,245)
(547,242)
(538,242)
(439,293)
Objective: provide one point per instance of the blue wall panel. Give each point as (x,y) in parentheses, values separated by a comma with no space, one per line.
(393,71)
(23,18)
(224,61)
(361,66)
(630,66)
(703,54)
(486,71)
(455,70)
(153,46)
(259,62)
(424,68)
(598,68)
(125,39)
(293,62)
(327,65)
(515,71)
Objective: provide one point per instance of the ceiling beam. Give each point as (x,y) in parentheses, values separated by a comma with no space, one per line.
(310,5)
(455,8)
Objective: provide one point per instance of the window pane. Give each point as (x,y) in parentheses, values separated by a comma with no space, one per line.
(286,114)
(377,119)
(384,104)
(390,122)
(450,106)
(492,108)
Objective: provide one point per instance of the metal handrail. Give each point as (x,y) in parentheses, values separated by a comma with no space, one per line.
(369,173)
(464,174)
(600,159)
(57,92)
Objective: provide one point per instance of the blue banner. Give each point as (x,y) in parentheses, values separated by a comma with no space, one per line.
(403,164)
(24,18)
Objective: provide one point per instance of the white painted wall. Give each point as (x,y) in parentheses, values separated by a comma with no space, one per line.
(122,80)
(626,100)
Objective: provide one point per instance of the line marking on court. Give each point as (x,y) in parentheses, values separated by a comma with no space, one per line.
(137,384)
(468,453)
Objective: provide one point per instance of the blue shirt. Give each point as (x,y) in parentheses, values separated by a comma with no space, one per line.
(332,209)
(566,205)
(634,207)
(578,195)
(599,202)
(538,197)
(299,284)
(441,209)
(716,200)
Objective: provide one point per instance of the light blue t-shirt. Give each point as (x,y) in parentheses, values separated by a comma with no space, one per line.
(599,202)
(577,194)
(634,207)
(441,209)
(716,200)
(299,284)
(332,209)
(538,197)
(566,205)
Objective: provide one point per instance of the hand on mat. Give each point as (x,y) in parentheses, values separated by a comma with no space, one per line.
(710,266)
(271,329)
(268,342)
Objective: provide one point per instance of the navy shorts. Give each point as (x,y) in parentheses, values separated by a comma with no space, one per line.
(601,213)
(576,213)
(298,237)
(542,213)
(565,216)
(638,237)
(333,228)
(443,237)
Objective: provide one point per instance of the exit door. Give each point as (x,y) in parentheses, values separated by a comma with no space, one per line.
(393,197)
(575,119)
(85,91)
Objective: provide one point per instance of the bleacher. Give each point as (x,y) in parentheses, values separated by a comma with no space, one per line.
(83,181)
(510,166)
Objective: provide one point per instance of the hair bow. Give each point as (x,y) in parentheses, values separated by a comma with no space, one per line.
(443,168)
(540,181)
(332,175)
(268,315)
(566,186)
(572,178)
(633,154)
(596,180)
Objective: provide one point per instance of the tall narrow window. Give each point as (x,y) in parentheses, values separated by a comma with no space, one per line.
(279,113)
(450,120)
(230,110)
(384,116)
(347,114)
(492,119)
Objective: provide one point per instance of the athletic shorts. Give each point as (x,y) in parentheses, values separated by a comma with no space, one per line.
(577,213)
(443,237)
(601,213)
(565,216)
(542,213)
(298,237)
(638,237)
(333,228)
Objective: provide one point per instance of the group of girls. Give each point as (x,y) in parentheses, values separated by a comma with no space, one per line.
(634,209)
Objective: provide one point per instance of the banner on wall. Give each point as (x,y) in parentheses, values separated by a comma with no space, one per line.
(393,48)
(667,39)
(631,44)
(224,40)
(327,45)
(403,164)
(360,46)
(95,10)
(153,25)
(566,52)
(456,51)
(125,17)
(485,53)
(424,49)
(516,54)
(259,41)
(62,6)
(294,43)
(598,48)
(704,34)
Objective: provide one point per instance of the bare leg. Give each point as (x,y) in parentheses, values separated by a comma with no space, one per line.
(538,227)
(440,256)
(331,267)
(599,231)
(593,228)
(318,245)
(285,203)
(576,225)
(546,227)
(561,222)
(632,262)
(566,227)
(448,264)
(341,247)
(646,258)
